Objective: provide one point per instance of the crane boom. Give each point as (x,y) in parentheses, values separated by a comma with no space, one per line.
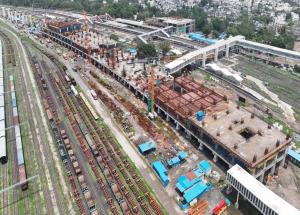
(87,38)
(152,85)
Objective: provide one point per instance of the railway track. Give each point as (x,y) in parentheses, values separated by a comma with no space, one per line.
(30,201)
(9,62)
(127,193)
(111,156)
(54,124)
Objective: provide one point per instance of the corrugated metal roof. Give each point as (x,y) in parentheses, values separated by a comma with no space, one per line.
(269,198)
(2,114)
(15,111)
(144,147)
(2,127)
(20,157)
(13,95)
(17,131)
(19,143)
(294,154)
(1,100)
(194,192)
(2,146)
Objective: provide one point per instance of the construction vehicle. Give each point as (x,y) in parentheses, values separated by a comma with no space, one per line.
(221,206)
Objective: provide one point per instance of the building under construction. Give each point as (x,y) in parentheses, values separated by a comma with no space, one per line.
(228,133)
(64,27)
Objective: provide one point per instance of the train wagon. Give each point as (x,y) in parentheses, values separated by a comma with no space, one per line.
(94,94)
(74,91)
(22,177)
(20,159)
(49,115)
(89,106)
(3,152)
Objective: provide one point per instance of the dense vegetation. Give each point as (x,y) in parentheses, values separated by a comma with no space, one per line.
(246,25)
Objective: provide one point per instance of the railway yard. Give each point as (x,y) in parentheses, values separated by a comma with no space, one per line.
(89,127)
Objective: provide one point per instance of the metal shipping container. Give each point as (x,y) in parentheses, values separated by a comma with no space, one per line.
(3,156)
(20,156)
(1,100)
(2,127)
(14,102)
(13,95)
(15,111)
(17,131)
(2,113)
(19,143)
(1,81)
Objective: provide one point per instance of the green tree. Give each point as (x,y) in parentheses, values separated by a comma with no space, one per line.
(146,50)
(165,47)
(114,37)
(297,68)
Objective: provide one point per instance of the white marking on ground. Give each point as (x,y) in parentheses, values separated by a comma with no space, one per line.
(288,112)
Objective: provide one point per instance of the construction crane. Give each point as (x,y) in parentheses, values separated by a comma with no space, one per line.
(151,100)
(87,38)
(46,19)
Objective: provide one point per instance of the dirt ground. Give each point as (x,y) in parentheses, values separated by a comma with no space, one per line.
(287,185)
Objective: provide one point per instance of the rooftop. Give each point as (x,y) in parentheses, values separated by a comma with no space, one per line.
(273,201)
(294,154)
(242,133)
(176,21)
(62,24)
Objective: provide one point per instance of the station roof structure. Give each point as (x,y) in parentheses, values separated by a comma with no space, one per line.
(269,198)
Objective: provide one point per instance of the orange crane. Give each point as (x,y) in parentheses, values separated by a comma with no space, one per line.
(87,37)
(152,83)
(151,100)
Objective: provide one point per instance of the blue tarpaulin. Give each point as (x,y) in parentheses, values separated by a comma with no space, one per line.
(294,154)
(161,170)
(205,166)
(184,183)
(195,192)
(182,155)
(147,146)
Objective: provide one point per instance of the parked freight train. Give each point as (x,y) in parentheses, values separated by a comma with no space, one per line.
(3,152)
(20,155)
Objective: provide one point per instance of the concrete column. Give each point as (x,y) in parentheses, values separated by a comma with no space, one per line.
(188,134)
(216,54)
(200,146)
(237,200)
(158,110)
(168,118)
(261,178)
(232,160)
(273,169)
(215,159)
(177,126)
(227,51)
(203,60)
(228,189)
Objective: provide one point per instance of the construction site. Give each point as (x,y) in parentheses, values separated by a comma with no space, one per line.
(187,128)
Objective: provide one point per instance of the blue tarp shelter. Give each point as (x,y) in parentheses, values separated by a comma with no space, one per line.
(147,147)
(205,166)
(195,192)
(161,171)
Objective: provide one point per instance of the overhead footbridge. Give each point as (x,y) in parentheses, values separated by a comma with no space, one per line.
(238,42)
